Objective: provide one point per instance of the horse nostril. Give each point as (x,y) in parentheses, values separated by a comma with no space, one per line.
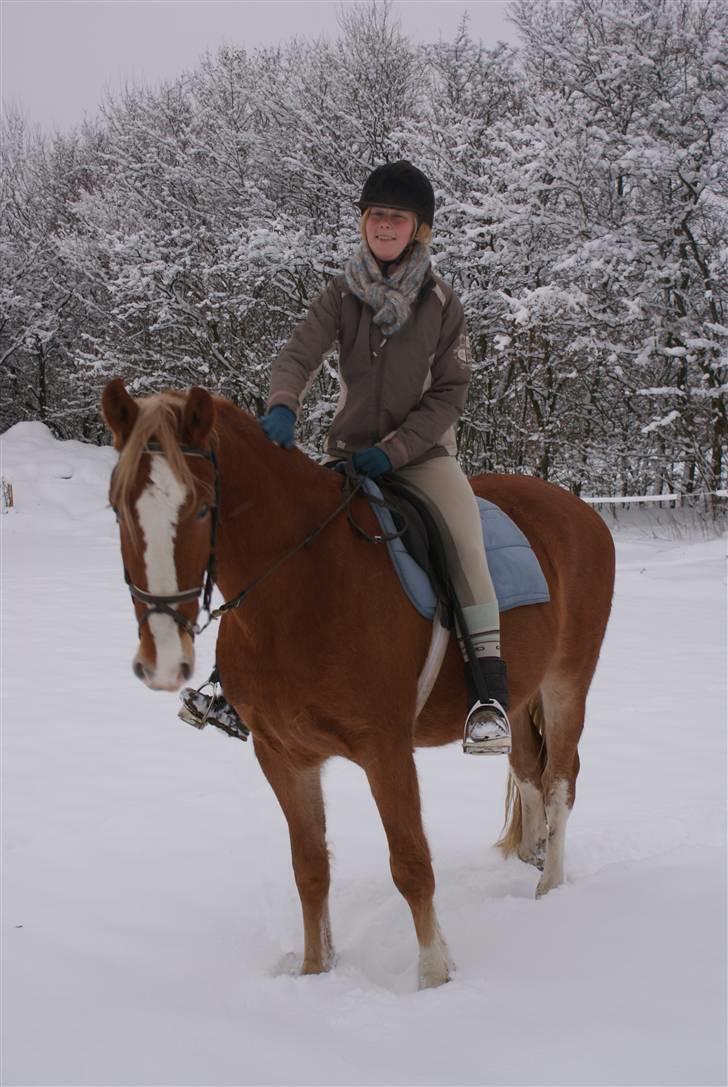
(185,670)
(139,670)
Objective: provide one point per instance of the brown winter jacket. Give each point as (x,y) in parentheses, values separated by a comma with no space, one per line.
(404,394)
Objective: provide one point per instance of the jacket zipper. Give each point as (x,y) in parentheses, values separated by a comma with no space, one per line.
(379,389)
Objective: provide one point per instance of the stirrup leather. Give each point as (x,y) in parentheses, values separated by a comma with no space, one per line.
(487,729)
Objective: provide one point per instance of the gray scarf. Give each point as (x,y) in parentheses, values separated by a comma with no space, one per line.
(390,296)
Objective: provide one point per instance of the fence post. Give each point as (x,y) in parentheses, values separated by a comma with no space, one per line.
(6,496)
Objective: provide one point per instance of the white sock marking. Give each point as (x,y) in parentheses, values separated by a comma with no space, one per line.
(557,812)
(435,964)
(533,835)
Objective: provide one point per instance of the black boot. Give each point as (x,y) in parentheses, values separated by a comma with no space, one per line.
(487,728)
(495,680)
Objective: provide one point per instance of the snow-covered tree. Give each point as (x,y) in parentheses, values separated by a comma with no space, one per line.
(631,100)
(582,196)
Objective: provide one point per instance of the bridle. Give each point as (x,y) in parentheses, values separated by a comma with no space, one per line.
(167,603)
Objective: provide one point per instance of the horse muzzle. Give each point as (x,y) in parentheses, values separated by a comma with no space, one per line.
(170,677)
(165,657)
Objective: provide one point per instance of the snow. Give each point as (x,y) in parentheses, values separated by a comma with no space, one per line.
(147,887)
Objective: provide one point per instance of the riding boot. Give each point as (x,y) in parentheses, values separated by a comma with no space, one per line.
(487,728)
(200,709)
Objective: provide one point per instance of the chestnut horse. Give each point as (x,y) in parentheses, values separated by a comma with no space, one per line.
(322,657)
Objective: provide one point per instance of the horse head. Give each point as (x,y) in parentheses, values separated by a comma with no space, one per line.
(164,493)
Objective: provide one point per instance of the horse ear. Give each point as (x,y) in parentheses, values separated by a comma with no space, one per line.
(198,416)
(119,410)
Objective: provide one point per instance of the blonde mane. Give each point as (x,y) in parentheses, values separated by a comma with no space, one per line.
(158,420)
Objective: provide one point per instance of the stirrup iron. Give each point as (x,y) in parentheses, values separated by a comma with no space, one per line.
(487,729)
(200,709)
(191,711)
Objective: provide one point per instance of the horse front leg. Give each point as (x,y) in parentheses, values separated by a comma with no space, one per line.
(393,780)
(301,798)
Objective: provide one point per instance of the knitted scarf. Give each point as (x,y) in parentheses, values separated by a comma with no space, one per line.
(390,296)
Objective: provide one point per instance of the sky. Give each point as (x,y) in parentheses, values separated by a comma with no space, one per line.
(60,56)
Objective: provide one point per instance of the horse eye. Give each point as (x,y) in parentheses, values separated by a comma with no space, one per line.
(202,513)
(117,515)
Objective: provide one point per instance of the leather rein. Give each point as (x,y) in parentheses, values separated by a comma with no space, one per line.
(167,604)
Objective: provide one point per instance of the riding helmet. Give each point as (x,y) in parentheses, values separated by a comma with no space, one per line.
(399,185)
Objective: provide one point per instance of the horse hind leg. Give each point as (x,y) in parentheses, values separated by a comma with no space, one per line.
(393,780)
(564,706)
(525,829)
(300,795)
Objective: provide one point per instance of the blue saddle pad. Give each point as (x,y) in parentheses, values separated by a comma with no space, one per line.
(515,570)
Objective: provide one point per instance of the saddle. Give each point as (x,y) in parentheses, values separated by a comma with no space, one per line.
(419,556)
(420,537)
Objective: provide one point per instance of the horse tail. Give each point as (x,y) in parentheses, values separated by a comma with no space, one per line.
(510,838)
(512,831)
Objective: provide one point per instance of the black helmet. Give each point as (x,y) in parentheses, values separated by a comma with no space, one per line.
(399,185)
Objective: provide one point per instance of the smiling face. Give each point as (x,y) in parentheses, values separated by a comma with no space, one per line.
(388,231)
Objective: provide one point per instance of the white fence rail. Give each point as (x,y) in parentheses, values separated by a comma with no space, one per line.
(671,500)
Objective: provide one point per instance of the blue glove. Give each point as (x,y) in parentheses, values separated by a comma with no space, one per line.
(279,425)
(371,462)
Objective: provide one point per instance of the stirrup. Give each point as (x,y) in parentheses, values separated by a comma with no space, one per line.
(196,706)
(200,709)
(487,729)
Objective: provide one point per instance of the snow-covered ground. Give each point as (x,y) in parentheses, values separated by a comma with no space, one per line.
(148,893)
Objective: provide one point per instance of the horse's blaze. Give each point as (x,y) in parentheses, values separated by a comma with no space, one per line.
(158,509)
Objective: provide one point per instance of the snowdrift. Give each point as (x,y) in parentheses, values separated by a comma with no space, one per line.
(149,914)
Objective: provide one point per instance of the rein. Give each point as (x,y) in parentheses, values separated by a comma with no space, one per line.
(166,604)
(236,601)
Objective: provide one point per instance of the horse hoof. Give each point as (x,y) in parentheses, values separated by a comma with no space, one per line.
(536,857)
(322,967)
(546,885)
(436,966)
(432,981)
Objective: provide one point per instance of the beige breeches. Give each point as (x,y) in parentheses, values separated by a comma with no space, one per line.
(443,484)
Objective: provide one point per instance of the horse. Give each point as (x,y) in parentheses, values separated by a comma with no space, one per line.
(323,655)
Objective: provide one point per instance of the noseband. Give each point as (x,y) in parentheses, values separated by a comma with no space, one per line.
(166,604)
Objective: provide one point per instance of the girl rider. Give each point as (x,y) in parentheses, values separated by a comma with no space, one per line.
(404,371)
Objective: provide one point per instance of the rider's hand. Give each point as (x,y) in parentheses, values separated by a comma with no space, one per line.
(372,462)
(279,425)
